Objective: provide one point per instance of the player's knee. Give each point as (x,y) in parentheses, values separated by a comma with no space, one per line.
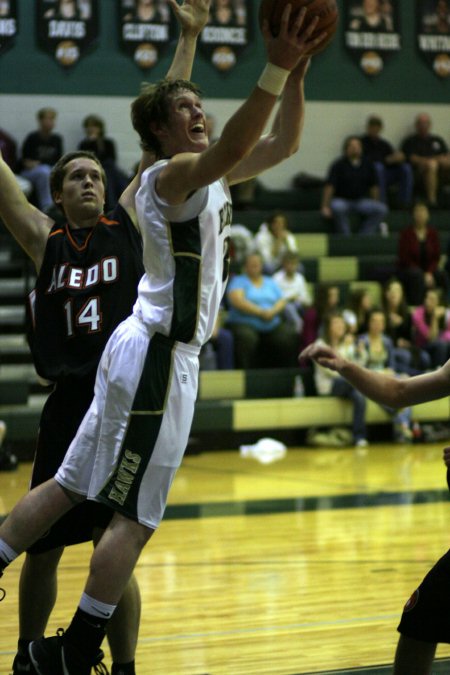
(43,563)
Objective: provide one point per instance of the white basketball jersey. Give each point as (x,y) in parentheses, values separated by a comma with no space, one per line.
(185,259)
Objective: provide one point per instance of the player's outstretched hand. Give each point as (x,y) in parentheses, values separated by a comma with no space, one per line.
(446,455)
(192,15)
(323,355)
(294,41)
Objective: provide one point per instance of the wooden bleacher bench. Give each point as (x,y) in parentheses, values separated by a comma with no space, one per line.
(226,404)
(240,401)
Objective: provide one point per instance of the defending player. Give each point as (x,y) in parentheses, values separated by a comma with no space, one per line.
(425,621)
(88,273)
(132,439)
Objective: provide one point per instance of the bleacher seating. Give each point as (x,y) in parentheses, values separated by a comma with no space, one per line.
(231,400)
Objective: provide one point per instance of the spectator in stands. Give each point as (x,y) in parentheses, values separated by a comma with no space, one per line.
(408,358)
(419,253)
(294,288)
(357,314)
(273,240)
(352,188)
(327,300)
(376,352)
(262,337)
(8,148)
(431,323)
(329,383)
(429,157)
(104,148)
(390,165)
(41,150)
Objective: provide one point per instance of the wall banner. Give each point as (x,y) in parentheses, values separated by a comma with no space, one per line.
(8,24)
(67,29)
(433,34)
(146,29)
(228,32)
(372,32)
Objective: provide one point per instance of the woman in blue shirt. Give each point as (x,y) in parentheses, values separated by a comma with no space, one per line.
(262,337)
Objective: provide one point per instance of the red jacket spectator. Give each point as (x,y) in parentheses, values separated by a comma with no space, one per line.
(409,249)
(419,251)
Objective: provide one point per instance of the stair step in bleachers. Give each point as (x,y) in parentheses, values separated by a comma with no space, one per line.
(14,290)
(13,315)
(313,222)
(240,414)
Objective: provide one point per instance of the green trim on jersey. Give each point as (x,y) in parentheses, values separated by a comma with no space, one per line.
(121,492)
(187,249)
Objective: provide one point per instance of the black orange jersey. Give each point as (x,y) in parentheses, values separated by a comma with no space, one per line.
(86,286)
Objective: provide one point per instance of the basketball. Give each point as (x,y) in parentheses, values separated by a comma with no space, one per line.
(326,10)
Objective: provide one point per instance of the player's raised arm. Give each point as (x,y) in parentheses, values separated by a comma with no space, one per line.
(284,137)
(192,16)
(197,166)
(28,225)
(384,389)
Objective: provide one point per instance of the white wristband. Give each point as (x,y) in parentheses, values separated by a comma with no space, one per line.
(273,79)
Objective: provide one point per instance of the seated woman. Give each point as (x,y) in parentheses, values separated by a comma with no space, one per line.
(409,358)
(330,383)
(273,240)
(376,352)
(431,323)
(356,316)
(262,337)
(419,253)
(327,300)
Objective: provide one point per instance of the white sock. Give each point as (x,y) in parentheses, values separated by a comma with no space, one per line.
(96,608)
(7,554)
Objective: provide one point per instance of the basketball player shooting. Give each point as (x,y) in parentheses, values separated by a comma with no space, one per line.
(133,437)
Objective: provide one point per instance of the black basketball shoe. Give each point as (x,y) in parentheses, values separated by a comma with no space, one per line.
(55,656)
(22,665)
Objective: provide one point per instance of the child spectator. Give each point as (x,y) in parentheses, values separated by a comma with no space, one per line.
(294,288)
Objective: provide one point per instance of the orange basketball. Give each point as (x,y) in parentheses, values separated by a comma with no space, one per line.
(326,10)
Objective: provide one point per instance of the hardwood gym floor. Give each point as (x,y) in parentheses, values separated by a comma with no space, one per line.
(292,568)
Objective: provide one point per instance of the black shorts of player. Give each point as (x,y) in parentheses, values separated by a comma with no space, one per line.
(426,615)
(60,419)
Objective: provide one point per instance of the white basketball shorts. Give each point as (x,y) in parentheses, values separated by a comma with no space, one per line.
(133,437)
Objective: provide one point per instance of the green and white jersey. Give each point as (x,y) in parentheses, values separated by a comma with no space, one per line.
(186,259)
